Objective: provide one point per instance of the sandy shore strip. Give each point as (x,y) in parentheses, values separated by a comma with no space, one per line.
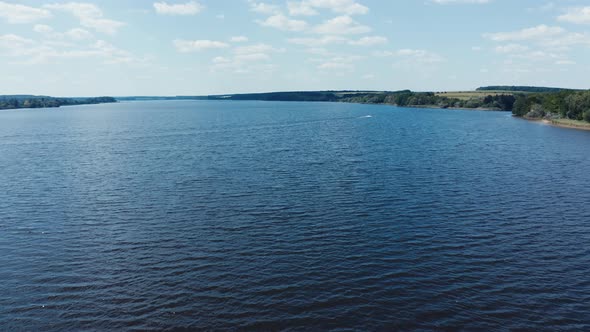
(563,123)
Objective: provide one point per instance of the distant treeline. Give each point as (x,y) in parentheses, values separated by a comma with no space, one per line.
(151,98)
(409,98)
(312,96)
(521,88)
(397,98)
(29,101)
(566,104)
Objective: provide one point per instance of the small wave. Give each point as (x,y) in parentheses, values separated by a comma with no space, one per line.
(366,116)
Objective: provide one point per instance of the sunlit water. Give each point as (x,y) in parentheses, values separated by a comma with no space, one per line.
(315,216)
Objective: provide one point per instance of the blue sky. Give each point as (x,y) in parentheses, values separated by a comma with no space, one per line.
(179,47)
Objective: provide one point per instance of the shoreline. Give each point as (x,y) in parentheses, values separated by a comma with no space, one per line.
(561,123)
(427,106)
(453,108)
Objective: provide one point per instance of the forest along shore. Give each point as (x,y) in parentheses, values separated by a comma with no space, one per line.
(560,107)
(30,101)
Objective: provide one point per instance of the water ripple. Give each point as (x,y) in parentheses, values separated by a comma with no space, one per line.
(291,216)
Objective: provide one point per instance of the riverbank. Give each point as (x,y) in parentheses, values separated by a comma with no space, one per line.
(562,123)
(487,109)
(11,102)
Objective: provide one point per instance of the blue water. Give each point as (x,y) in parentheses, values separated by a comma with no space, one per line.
(297,216)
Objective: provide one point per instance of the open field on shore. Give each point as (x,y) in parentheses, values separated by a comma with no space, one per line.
(465,95)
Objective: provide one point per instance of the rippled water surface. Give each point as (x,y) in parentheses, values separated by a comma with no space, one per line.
(313,216)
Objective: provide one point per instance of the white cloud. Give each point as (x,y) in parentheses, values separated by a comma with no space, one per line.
(539,56)
(252,57)
(44,29)
(301,8)
(31,52)
(547,37)
(220,59)
(334,65)
(112,54)
(538,32)
(11,42)
(446,2)
(256,48)
(247,59)
(189,8)
(338,63)
(580,15)
(565,62)
(186,46)
(369,41)
(15,14)
(567,40)
(511,48)
(74,34)
(90,16)
(308,7)
(420,55)
(264,8)
(282,22)
(413,56)
(316,42)
(341,25)
(78,34)
(239,39)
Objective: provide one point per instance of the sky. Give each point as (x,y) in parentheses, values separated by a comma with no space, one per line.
(180,47)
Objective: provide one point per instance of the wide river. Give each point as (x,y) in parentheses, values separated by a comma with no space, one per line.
(299,216)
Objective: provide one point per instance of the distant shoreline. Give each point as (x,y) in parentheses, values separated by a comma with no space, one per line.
(486,109)
(16,102)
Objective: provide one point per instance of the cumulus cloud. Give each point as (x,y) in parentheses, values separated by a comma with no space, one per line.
(15,14)
(282,22)
(538,32)
(32,52)
(565,62)
(316,42)
(580,15)
(412,56)
(11,42)
(420,55)
(511,48)
(543,36)
(341,25)
(549,44)
(189,8)
(247,59)
(239,39)
(76,34)
(256,49)
(369,41)
(186,46)
(90,16)
(446,2)
(309,7)
(264,8)
(338,63)
(301,8)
